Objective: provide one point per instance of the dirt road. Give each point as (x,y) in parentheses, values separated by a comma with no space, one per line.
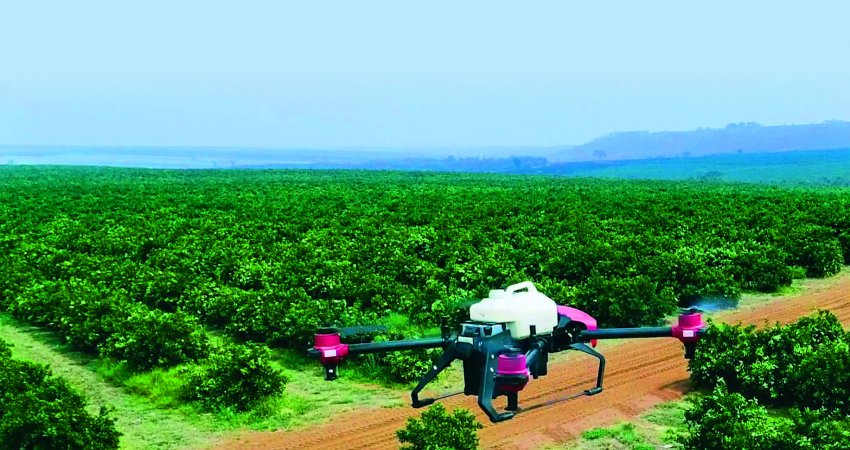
(639,375)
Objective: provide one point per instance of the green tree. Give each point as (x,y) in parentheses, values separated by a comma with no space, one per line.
(237,377)
(722,420)
(40,411)
(439,430)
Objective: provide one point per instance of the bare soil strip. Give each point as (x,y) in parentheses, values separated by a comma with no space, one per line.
(640,374)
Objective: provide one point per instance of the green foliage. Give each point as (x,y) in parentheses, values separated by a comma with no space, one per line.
(152,338)
(407,366)
(40,411)
(844,242)
(236,377)
(132,263)
(804,365)
(623,434)
(452,310)
(722,420)
(822,379)
(815,248)
(625,301)
(290,318)
(762,268)
(439,430)
(165,388)
(820,430)
(771,364)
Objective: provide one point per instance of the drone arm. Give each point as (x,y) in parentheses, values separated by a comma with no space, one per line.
(689,330)
(445,361)
(625,333)
(391,346)
(330,351)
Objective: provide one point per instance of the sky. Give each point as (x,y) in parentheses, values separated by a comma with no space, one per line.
(390,74)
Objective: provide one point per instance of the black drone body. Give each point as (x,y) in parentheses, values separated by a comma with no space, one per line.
(511,345)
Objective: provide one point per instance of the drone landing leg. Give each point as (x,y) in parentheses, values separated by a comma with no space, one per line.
(513,401)
(488,386)
(585,349)
(445,361)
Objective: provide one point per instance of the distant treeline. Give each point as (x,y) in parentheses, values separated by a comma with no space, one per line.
(816,167)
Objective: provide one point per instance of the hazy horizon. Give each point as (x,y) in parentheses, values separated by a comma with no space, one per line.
(381,75)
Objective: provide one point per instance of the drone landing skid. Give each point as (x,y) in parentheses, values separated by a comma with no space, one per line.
(448,356)
(600,373)
(487,389)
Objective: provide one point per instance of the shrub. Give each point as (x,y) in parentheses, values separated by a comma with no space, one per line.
(407,366)
(805,364)
(40,411)
(439,430)
(823,378)
(723,420)
(821,430)
(236,377)
(152,338)
(844,242)
(452,310)
(212,303)
(95,321)
(290,318)
(767,364)
(400,366)
(631,301)
(14,276)
(815,248)
(723,351)
(763,269)
(37,304)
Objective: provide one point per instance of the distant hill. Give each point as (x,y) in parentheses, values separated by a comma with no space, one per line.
(738,152)
(807,167)
(735,138)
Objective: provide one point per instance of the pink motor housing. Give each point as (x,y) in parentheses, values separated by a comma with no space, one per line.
(330,348)
(579,316)
(687,330)
(512,367)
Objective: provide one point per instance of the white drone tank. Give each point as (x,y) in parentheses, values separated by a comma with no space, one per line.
(519,307)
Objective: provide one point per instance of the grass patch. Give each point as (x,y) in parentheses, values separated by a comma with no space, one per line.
(148,406)
(670,414)
(667,422)
(660,427)
(162,387)
(623,435)
(114,372)
(143,424)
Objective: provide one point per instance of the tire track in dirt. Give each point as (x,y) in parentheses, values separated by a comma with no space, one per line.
(639,375)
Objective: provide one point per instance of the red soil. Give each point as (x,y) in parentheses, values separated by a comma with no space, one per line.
(639,375)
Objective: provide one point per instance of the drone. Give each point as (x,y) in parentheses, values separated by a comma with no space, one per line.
(508,340)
